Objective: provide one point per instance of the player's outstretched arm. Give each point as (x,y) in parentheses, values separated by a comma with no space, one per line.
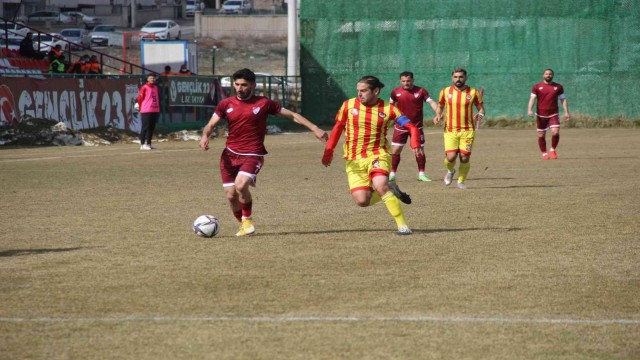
(299,119)
(206,132)
(336,132)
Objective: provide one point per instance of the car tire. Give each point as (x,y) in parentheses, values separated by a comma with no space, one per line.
(178,37)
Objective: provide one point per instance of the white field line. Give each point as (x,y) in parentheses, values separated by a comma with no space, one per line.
(69,156)
(352,319)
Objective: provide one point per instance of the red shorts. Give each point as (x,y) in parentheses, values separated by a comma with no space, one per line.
(400,136)
(233,164)
(544,123)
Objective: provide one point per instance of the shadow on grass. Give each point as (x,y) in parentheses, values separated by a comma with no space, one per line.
(361,231)
(21,252)
(517,187)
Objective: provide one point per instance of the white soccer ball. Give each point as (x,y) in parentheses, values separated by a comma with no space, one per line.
(206,226)
(136,107)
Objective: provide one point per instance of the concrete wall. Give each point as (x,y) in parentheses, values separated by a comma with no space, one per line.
(218,26)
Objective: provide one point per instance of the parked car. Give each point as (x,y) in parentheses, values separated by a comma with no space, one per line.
(262,80)
(77,37)
(14,43)
(236,7)
(163,29)
(192,6)
(44,42)
(53,16)
(13,30)
(101,34)
(89,21)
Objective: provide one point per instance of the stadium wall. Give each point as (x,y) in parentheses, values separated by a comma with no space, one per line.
(592,45)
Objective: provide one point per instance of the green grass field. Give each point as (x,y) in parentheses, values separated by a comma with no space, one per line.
(536,260)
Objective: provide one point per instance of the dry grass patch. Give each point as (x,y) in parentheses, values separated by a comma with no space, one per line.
(537,260)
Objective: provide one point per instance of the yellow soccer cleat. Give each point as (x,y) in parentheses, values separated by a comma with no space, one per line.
(246,228)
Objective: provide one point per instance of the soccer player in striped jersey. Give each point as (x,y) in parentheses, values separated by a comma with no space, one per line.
(548,93)
(460,124)
(409,98)
(244,152)
(365,121)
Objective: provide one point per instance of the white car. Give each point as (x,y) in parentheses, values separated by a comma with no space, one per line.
(44,42)
(15,30)
(236,7)
(163,30)
(192,6)
(78,37)
(88,21)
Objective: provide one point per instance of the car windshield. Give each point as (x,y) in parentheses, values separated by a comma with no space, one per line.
(233,3)
(71,33)
(156,24)
(104,28)
(43,37)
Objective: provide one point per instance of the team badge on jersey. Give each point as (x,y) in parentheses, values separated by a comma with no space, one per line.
(376,163)
(468,97)
(416,95)
(540,88)
(555,88)
(229,110)
(382,115)
(354,112)
(256,110)
(449,96)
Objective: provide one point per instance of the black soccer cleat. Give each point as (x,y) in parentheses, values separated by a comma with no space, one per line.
(403,196)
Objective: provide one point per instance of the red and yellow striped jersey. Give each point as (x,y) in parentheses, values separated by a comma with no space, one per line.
(366,127)
(459,107)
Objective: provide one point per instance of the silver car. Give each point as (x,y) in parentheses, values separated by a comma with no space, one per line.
(89,21)
(53,16)
(101,34)
(77,37)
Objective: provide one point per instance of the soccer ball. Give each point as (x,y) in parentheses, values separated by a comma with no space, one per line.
(206,226)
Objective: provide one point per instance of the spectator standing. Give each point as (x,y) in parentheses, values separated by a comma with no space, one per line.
(148,103)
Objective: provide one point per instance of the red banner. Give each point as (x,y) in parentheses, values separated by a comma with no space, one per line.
(79,103)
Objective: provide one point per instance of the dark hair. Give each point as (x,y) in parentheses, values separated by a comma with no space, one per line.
(545,70)
(459,70)
(167,68)
(407,74)
(245,74)
(371,81)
